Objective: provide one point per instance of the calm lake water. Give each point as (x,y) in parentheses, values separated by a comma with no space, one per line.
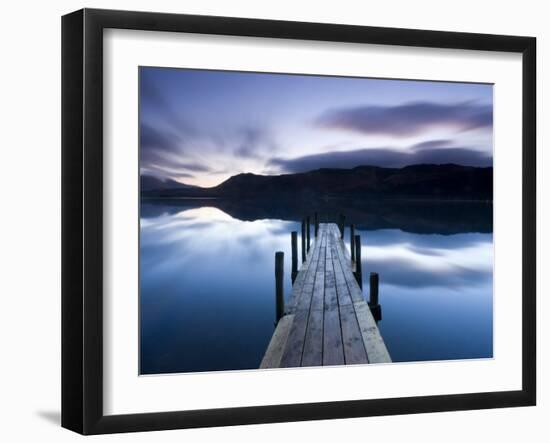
(207,281)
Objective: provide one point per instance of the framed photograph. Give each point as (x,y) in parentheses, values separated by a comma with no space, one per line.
(268,221)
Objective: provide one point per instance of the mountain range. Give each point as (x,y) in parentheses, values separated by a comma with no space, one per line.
(149,183)
(425,181)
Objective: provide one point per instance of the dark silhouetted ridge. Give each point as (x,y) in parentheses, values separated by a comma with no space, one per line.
(424,181)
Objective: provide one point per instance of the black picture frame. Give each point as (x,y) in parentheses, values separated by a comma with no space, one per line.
(82,218)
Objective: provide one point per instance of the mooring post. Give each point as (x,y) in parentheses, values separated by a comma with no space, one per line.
(352,241)
(294,242)
(358,270)
(374,304)
(373,297)
(316,225)
(308,223)
(303,241)
(279,288)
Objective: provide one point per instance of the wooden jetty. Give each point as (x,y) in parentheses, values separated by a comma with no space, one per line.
(326,320)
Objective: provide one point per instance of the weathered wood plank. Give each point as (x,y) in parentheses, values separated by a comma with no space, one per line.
(304,281)
(342,289)
(343,250)
(276,347)
(297,288)
(313,346)
(292,355)
(317,299)
(354,290)
(331,299)
(354,349)
(304,302)
(345,260)
(304,267)
(333,351)
(374,344)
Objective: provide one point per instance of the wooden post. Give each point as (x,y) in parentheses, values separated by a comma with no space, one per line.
(358,270)
(294,243)
(373,298)
(352,241)
(279,288)
(316,225)
(308,223)
(303,241)
(374,304)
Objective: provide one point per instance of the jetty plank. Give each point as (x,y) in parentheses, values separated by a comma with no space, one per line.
(274,353)
(355,291)
(304,301)
(304,278)
(374,343)
(317,299)
(292,354)
(313,346)
(342,288)
(331,298)
(333,350)
(352,337)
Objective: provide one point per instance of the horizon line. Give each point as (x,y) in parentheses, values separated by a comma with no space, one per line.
(163,179)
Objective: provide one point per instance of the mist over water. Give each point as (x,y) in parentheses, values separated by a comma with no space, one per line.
(207,278)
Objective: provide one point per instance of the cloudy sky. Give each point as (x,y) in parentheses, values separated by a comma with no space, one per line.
(201,127)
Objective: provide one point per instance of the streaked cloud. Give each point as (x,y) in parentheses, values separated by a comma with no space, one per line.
(408,119)
(430,144)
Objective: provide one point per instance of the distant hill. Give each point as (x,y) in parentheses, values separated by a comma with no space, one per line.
(448,181)
(150,183)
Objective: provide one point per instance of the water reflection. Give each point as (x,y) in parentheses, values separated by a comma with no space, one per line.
(428,261)
(207,285)
(427,217)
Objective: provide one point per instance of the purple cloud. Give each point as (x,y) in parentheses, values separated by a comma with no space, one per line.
(408,119)
(161,153)
(431,144)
